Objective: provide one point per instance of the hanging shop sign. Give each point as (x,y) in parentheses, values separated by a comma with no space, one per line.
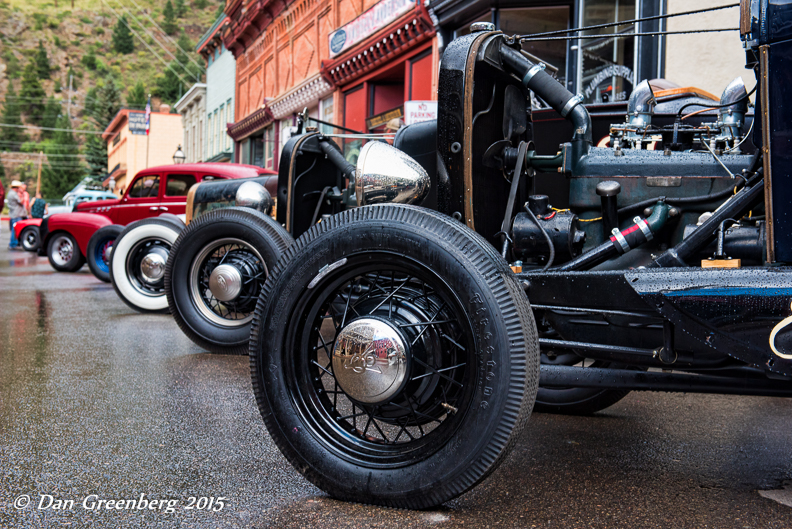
(381,119)
(137,123)
(367,24)
(417,111)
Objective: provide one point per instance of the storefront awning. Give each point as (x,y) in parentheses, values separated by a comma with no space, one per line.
(306,94)
(252,123)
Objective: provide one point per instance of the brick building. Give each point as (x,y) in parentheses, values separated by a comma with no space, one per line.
(129,150)
(350,62)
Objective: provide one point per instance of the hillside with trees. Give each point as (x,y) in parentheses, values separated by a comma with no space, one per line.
(67,67)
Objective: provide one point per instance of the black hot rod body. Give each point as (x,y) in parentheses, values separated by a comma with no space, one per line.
(443,287)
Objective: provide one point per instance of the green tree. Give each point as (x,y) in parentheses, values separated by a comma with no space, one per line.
(96,155)
(136,96)
(122,37)
(108,103)
(32,93)
(89,60)
(180,8)
(169,86)
(12,137)
(42,62)
(3,176)
(90,102)
(59,176)
(169,19)
(52,111)
(12,64)
(186,44)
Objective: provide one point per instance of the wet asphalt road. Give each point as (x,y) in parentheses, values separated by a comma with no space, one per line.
(96,399)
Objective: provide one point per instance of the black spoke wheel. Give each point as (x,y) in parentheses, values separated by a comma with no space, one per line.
(215,273)
(394,357)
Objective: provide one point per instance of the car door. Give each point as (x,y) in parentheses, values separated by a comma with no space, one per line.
(174,194)
(141,201)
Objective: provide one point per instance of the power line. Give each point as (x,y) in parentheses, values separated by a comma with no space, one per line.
(50,128)
(5,153)
(33,162)
(154,38)
(163,61)
(42,144)
(166,35)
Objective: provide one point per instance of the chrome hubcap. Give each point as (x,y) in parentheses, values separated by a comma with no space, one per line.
(152,267)
(225,282)
(370,360)
(63,250)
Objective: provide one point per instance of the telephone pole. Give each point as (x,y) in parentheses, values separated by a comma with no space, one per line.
(68,107)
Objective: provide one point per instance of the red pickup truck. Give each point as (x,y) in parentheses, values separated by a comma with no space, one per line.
(65,237)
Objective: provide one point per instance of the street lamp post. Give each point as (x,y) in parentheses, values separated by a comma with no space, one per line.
(178,156)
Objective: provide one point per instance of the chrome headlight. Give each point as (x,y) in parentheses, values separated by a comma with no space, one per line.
(385,174)
(253,195)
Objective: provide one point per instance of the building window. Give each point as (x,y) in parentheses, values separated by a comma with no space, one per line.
(529,20)
(606,66)
(257,151)
(269,147)
(326,114)
(601,69)
(244,154)
(229,119)
(200,141)
(216,131)
(209,136)
(285,132)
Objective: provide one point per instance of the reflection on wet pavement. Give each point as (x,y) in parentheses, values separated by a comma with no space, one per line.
(97,399)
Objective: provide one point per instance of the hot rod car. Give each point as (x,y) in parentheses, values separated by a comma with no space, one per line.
(449,284)
(69,239)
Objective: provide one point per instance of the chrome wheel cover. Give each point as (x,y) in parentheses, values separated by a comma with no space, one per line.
(62,250)
(215,287)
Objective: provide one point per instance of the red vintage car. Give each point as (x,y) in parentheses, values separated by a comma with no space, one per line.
(66,237)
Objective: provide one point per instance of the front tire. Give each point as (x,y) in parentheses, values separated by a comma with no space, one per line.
(63,253)
(100,248)
(137,263)
(394,357)
(247,244)
(29,238)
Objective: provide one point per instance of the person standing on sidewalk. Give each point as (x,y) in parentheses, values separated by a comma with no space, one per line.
(16,210)
(2,197)
(38,208)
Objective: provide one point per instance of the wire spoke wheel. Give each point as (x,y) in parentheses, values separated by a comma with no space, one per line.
(420,407)
(394,356)
(226,279)
(216,271)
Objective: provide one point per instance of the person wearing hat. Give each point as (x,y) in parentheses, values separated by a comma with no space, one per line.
(16,210)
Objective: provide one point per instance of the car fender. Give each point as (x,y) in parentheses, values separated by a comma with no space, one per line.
(22,224)
(79,225)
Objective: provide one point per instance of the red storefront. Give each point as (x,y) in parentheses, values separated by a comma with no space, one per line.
(394,60)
